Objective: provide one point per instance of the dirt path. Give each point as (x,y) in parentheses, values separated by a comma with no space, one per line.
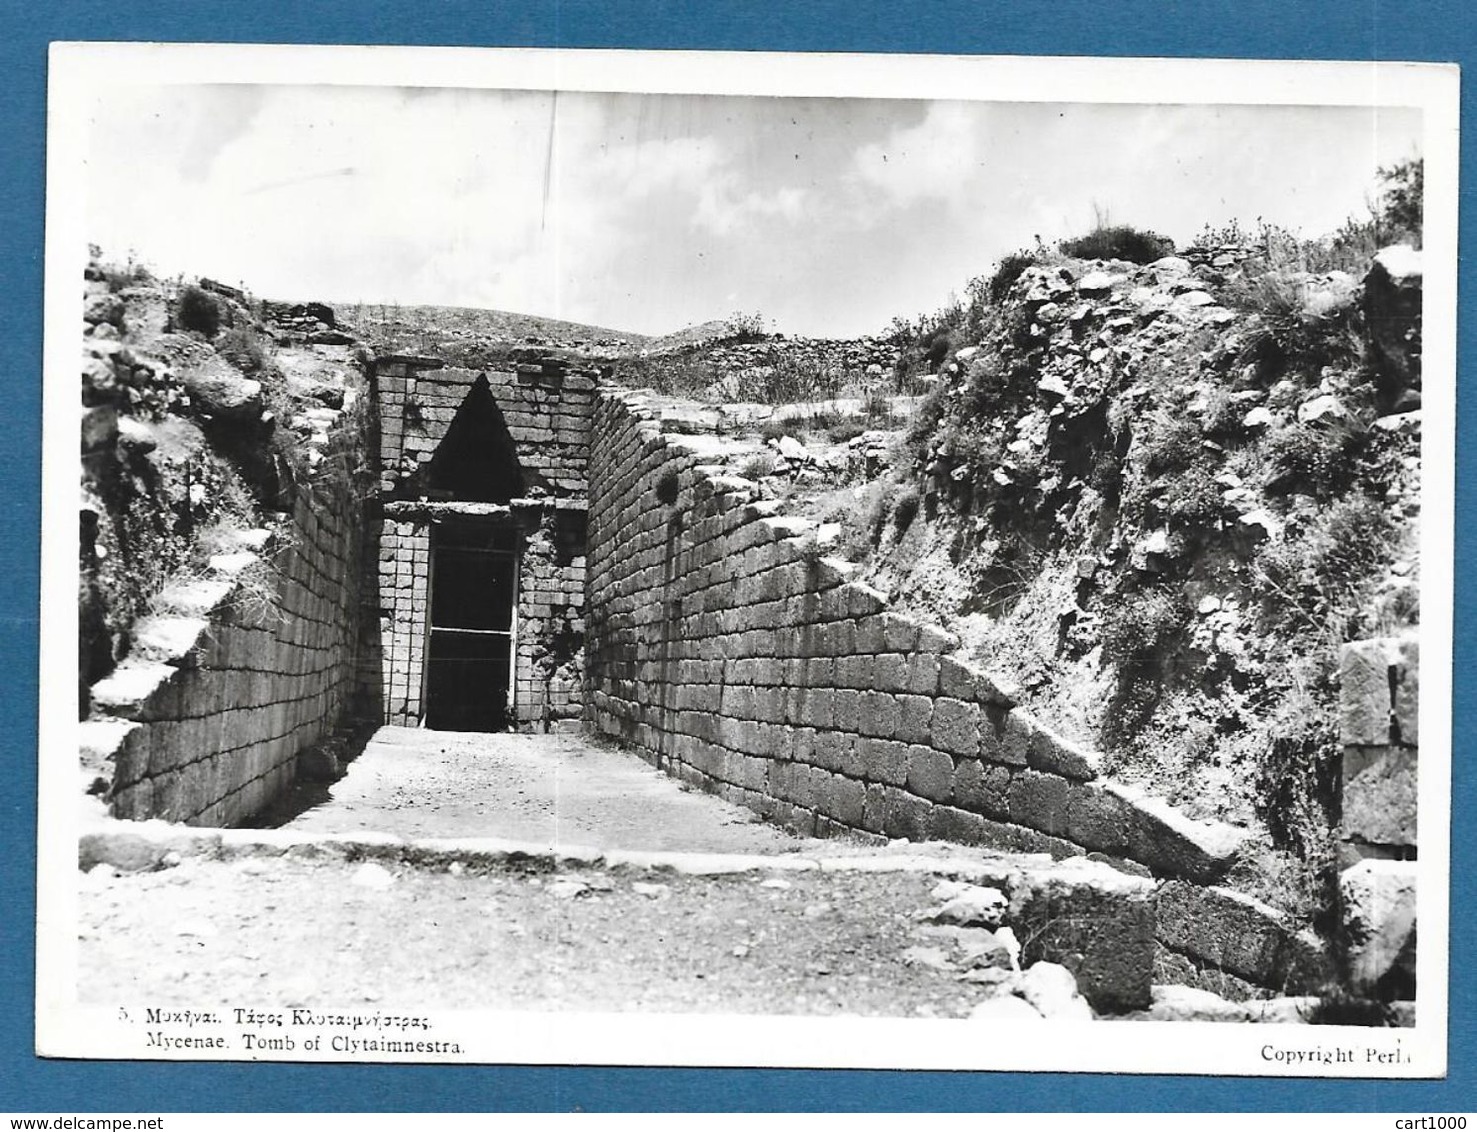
(291,931)
(543,789)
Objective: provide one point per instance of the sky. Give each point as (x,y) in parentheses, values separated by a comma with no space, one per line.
(648,213)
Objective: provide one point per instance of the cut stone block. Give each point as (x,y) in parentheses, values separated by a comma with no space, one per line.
(1096,922)
(1050,752)
(1379,925)
(1406,698)
(1241,935)
(931,774)
(1365,708)
(1380,795)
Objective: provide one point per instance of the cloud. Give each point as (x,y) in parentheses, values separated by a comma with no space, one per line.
(936,159)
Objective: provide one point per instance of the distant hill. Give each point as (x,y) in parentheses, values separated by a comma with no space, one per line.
(472,337)
(469,336)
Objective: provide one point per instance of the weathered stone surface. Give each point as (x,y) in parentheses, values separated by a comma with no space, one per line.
(103,307)
(1365,708)
(1097,922)
(1005,735)
(931,774)
(982,787)
(1048,751)
(1379,925)
(972,906)
(1052,990)
(955,726)
(1175,1003)
(1241,935)
(221,390)
(1039,801)
(1379,795)
(1406,694)
(1172,844)
(1392,308)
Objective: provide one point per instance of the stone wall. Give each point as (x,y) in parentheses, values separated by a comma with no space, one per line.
(242,668)
(1379,700)
(546,408)
(728,649)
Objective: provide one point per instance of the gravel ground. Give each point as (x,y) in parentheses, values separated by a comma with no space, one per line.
(291,930)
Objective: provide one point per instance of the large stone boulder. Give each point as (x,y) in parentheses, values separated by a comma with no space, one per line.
(1392,310)
(218,389)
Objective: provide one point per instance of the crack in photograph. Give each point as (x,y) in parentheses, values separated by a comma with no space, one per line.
(728,576)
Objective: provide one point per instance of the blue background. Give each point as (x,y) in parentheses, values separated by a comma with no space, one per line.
(1353,29)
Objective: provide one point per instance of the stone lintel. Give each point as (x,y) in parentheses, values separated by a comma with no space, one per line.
(403,509)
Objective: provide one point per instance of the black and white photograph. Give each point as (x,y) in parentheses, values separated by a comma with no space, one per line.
(737,559)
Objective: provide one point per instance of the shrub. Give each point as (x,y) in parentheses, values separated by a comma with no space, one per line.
(1319,458)
(906,509)
(1139,627)
(774,428)
(199,311)
(1193,499)
(1119,241)
(937,348)
(1316,576)
(1011,268)
(1137,634)
(844,429)
(1287,334)
(244,349)
(1170,445)
(741,327)
(757,466)
(1297,774)
(1402,204)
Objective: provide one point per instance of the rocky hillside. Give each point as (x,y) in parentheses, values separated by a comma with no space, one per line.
(204,413)
(734,365)
(1161,495)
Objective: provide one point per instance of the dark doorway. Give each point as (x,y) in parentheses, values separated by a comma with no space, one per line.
(474,595)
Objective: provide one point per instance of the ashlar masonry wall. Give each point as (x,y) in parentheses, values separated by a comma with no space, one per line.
(729,651)
(1379,727)
(251,664)
(546,407)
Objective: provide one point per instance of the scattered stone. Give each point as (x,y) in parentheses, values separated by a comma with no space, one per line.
(932,957)
(976,905)
(1321,408)
(1259,417)
(653,891)
(1097,282)
(1263,522)
(372,875)
(1052,990)
(103,308)
(1006,938)
(1174,1003)
(989,951)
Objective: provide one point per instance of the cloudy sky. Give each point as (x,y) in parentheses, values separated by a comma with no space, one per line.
(652,212)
